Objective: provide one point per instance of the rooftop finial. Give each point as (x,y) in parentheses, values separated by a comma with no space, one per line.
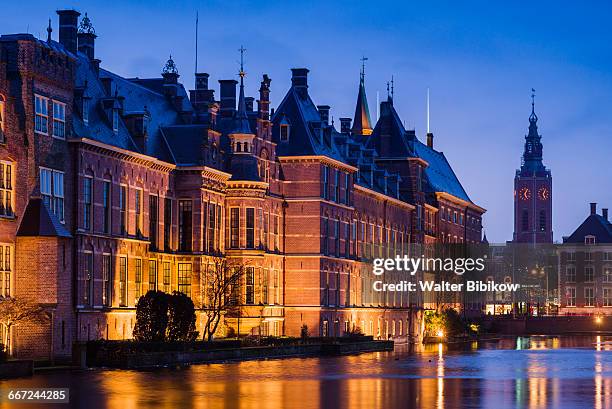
(392,87)
(242,73)
(86,27)
(170,67)
(388,94)
(533,117)
(196,42)
(49,30)
(363,60)
(428,110)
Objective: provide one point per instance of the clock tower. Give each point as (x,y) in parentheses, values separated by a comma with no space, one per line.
(533,191)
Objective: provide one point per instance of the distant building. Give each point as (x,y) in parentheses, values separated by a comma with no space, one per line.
(533,192)
(112,186)
(585,267)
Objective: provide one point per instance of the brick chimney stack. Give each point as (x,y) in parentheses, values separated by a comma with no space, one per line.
(68,22)
(604,214)
(593,208)
(299,80)
(228,97)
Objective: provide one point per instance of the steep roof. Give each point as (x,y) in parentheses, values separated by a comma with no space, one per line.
(362,124)
(39,220)
(594,225)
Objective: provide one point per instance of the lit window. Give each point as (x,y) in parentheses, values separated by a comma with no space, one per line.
(184,278)
(607,297)
(250,285)
(152,275)
(123,192)
(59,120)
(88,278)
(234,227)
(106,279)
(52,191)
(571,296)
(123,290)
(42,115)
(6,267)
(87,199)
(185,225)
(138,280)
(589,297)
(138,212)
(167,276)
(6,189)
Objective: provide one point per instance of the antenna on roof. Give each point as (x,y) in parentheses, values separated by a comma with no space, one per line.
(196,42)
(427,109)
(392,87)
(363,60)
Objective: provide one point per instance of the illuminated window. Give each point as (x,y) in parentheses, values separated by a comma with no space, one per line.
(6,268)
(607,297)
(167,274)
(52,191)
(6,189)
(152,275)
(138,280)
(87,202)
(234,227)
(250,285)
(185,225)
(167,223)
(123,192)
(41,120)
(59,119)
(571,296)
(138,212)
(123,290)
(589,297)
(184,278)
(106,279)
(88,278)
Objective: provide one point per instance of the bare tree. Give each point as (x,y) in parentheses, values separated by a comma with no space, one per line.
(14,311)
(221,291)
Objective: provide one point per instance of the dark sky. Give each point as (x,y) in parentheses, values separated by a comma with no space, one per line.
(480,60)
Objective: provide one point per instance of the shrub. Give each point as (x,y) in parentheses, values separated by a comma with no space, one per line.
(304,332)
(447,322)
(181,318)
(151,317)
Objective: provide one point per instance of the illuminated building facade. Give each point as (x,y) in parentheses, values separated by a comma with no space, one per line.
(121,185)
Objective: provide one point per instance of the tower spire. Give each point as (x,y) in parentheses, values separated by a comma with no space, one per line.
(242,122)
(362,124)
(49,31)
(196,42)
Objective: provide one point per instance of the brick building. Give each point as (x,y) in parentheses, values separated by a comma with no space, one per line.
(121,185)
(585,267)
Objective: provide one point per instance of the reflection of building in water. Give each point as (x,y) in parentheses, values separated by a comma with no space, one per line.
(585,267)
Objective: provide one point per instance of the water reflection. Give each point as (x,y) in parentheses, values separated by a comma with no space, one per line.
(534,372)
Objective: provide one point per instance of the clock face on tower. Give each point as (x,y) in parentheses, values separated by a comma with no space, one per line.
(524,193)
(543,193)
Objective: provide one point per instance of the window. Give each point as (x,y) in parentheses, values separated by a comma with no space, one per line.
(138,280)
(106,205)
(542,220)
(525,220)
(571,296)
(337,187)
(250,228)
(337,238)
(234,227)
(347,190)
(212,217)
(152,275)
(325,184)
(325,236)
(276,234)
(607,256)
(260,230)
(607,297)
(88,278)
(347,241)
(589,239)
(570,274)
(6,267)
(85,111)
(589,297)
(115,120)
(167,274)
(138,212)
(52,191)
(123,281)
(123,209)
(250,286)
(571,256)
(266,228)
(588,256)
(185,224)
(2,120)
(276,287)
(6,189)
(153,220)
(106,280)
(284,133)
(184,278)
(42,115)
(167,223)
(264,287)
(87,195)
(589,274)
(59,120)
(607,274)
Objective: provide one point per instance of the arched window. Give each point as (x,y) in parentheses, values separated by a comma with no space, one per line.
(525,220)
(542,220)
(246,146)
(238,147)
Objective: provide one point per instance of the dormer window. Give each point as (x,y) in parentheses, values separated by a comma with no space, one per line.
(589,239)
(115,120)
(85,110)
(284,132)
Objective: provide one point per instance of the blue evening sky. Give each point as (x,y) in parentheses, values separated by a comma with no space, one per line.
(480,60)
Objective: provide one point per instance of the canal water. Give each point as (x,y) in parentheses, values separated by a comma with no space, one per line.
(530,372)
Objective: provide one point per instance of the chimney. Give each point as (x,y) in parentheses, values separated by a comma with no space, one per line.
(86,38)
(593,208)
(299,80)
(228,97)
(201,81)
(264,98)
(68,21)
(604,214)
(248,101)
(324,112)
(345,125)
(430,139)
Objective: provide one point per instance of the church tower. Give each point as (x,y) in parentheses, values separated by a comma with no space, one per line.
(533,191)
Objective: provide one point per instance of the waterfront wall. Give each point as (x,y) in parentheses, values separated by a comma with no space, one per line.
(549,325)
